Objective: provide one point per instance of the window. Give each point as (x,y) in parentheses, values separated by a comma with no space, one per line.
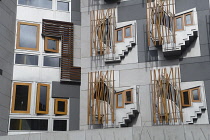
(120,101)
(120,35)
(51,61)
(127,31)
(179,23)
(61,106)
(37,3)
(51,44)
(186,98)
(188,19)
(28,36)
(21,98)
(29,124)
(42,99)
(60,125)
(195,92)
(128,96)
(26,59)
(64,6)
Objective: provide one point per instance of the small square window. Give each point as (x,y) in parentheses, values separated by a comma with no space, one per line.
(60,125)
(120,100)
(64,6)
(61,106)
(51,44)
(179,23)
(119,35)
(127,31)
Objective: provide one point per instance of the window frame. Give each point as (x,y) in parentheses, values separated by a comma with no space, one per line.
(189,98)
(126,101)
(197,88)
(129,26)
(25,59)
(46,44)
(14,95)
(123,101)
(191,18)
(38,98)
(18,36)
(64,1)
(180,16)
(51,56)
(56,106)
(122,29)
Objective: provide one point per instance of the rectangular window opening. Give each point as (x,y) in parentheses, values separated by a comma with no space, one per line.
(120,101)
(60,125)
(61,106)
(128,96)
(64,6)
(127,31)
(26,59)
(186,102)
(51,44)
(119,35)
(21,98)
(179,23)
(195,93)
(42,101)
(51,61)
(37,3)
(188,19)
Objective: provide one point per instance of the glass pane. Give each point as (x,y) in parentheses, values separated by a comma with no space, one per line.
(61,106)
(51,61)
(63,6)
(37,3)
(179,23)
(186,98)
(21,97)
(59,125)
(28,124)
(128,96)
(188,19)
(119,35)
(195,94)
(51,44)
(128,31)
(20,59)
(28,36)
(119,100)
(43,98)
(31,60)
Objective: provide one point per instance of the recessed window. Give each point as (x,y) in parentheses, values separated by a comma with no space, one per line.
(28,36)
(195,92)
(188,19)
(26,59)
(120,35)
(37,3)
(29,124)
(127,31)
(60,125)
(120,101)
(179,23)
(42,100)
(186,98)
(61,106)
(64,6)
(51,44)
(51,61)
(21,98)
(128,96)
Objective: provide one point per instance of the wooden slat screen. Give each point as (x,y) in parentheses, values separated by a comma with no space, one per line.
(63,30)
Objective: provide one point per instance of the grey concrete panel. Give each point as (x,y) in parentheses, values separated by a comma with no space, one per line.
(207,90)
(195,71)
(194,59)
(74,114)
(65,90)
(76,17)
(4,125)
(75,5)
(189,4)
(205,49)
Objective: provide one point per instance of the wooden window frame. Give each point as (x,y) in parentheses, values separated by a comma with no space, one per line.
(14,95)
(128,102)
(38,98)
(56,106)
(181,16)
(199,95)
(189,98)
(129,26)
(191,17)
(37,36)
(122,100)
(46,44)
(117,34)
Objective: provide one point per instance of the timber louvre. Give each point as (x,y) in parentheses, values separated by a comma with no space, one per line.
(64,31)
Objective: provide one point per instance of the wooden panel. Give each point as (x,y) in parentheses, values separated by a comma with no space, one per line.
(63,30)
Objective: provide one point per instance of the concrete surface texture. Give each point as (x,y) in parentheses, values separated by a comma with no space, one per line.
(181,132)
